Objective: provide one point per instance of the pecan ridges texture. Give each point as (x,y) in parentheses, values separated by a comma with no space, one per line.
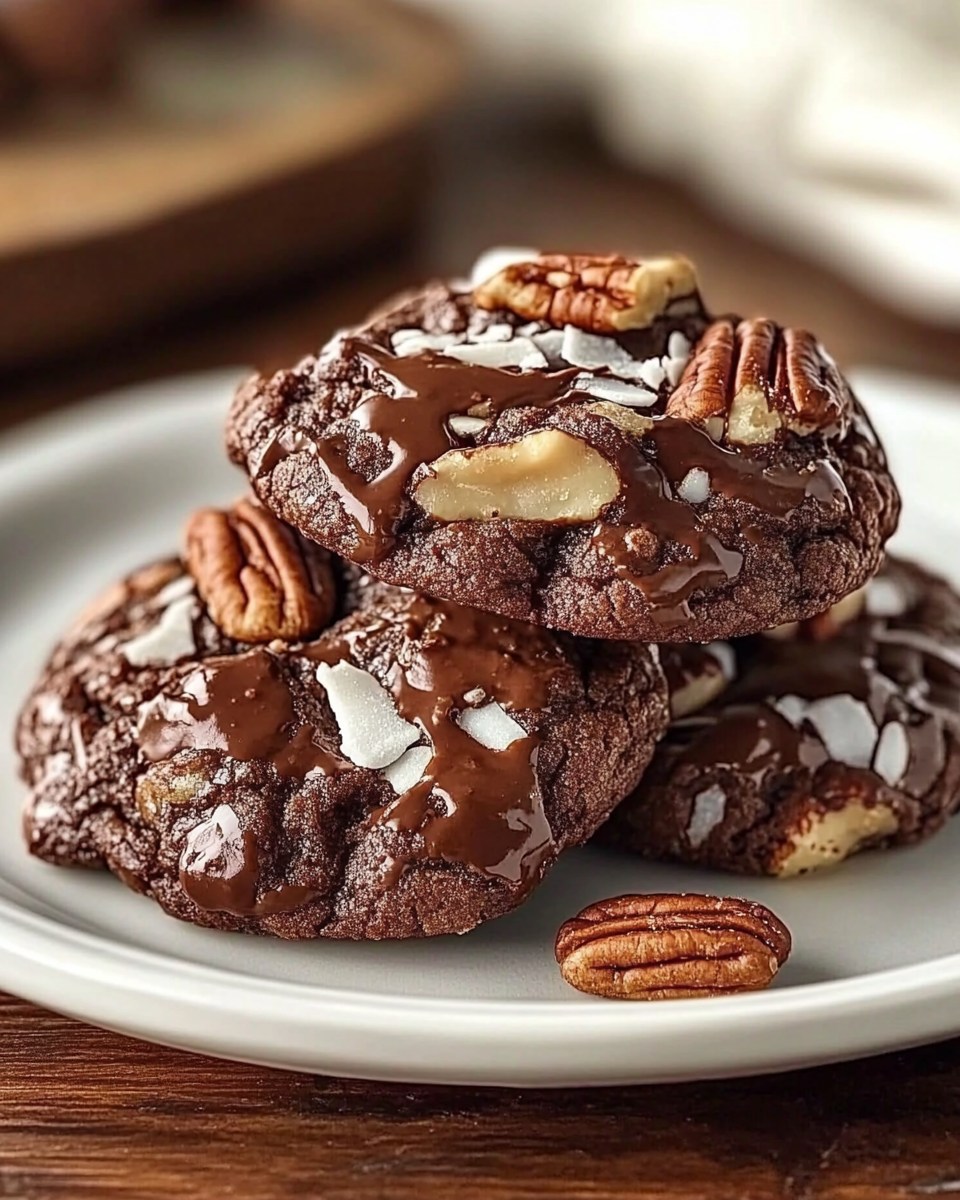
(658,947)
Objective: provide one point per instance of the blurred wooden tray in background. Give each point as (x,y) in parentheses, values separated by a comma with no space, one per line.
(241,144)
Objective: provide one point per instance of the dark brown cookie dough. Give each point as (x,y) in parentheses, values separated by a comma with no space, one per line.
(831,739)
(413,769)
(546,451)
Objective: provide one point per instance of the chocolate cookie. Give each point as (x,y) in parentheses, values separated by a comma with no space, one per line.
(575,442)
(833,737)
(263,743)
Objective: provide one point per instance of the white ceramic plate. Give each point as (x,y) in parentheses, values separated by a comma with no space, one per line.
(86,495)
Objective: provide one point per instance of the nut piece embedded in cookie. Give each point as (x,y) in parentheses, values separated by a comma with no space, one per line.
(663,947)
(252,575)
(825,838)
(600,293)
(746,381)
(170,782)
(546,476)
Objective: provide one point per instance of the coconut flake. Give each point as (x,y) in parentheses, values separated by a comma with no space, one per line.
(651,372)
(372,732)
(594,352)
(407,342)
(467,426)
(408,770)
(591,350)
(497,259)
(792,708)
(169,640)
(548,341)
(724,653)
(695,486)
(885,598)
(709,808)
(175,590)
(673,368)
(615,390)
(520,352)
(491,726)
(678,345)
(893,753)
(843,724)
(675,360)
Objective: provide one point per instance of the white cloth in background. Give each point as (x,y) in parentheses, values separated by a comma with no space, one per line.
(834,124)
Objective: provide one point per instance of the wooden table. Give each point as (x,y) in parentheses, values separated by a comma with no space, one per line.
(85,1113)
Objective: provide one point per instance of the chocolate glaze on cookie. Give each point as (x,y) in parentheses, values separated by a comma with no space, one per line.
(711,526)
(819,748)
(413,769)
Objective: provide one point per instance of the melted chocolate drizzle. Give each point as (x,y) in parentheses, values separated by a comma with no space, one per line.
(239,705)
(751,739)
(407,409)
(478,807)
(648,499)
(243,707)
(474,806)
(899,669)
(220,871)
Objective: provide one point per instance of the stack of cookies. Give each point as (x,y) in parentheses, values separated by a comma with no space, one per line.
(543,555)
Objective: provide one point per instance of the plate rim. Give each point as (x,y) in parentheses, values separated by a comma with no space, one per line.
(901,982)
(32,943)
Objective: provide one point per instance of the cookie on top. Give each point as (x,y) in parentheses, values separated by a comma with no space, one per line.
(575,441)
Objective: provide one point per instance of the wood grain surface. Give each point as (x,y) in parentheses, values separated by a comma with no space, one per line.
(176,187)
(85,1114)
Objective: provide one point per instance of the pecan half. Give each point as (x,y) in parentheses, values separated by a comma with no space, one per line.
(253,575)
(602,294)
(662,947)
(747,380)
